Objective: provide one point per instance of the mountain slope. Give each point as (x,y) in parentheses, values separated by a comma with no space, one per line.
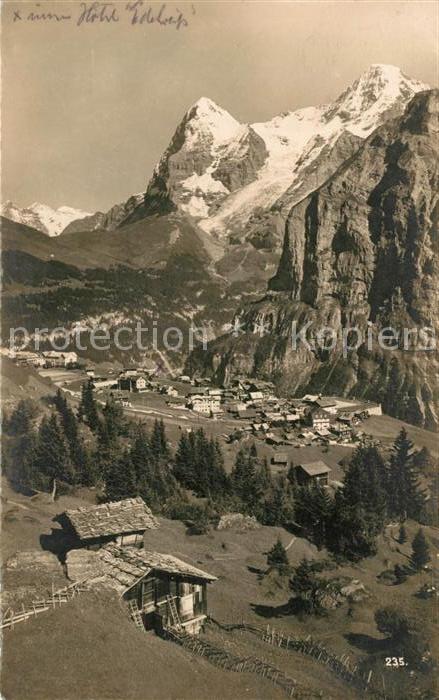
(358,252)
(42,217)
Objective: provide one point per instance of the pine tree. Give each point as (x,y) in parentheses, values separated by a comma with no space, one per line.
(264,477)
(400,573)
(120,480)
(245,482)
(351,531)
(141,454)
(84,464)
(21,419)
(22,469)
(185,458)
(52,459)
(308,586)
(277,558)
(203,460)
(406,500)
(365,485)
(423,461)
(88,410)
(420,551)
(113,419)
(402,536)
(312,510)
(219,482)
(158,442)
(278,505)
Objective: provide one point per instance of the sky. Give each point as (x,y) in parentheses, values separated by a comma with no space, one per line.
(89,107)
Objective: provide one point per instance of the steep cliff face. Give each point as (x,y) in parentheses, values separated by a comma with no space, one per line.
(360,251)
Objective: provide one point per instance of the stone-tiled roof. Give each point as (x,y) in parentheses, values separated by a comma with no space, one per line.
(129,515)
(124,566)
(315,468)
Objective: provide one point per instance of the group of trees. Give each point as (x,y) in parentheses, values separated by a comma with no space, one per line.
(249,489)
(143,470)
(51,449)
(257,492)
(93,447)
(374,493)
(199,466)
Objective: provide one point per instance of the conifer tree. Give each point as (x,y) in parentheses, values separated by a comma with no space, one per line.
(218,481)
(312,510)
(420,551)
(22,469)
(263,475)
(120,479)
(278,505)
(199,466)
(351,531)
(88,410)
(158,442)
(406,499)
(309,587)
(184,467)
(21,419)
(52,459)
(402,536)
(423,461)
(277,558)
(245,482)
(365,485)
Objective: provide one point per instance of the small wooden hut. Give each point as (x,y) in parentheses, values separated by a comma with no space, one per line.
(123,522)
(165,591)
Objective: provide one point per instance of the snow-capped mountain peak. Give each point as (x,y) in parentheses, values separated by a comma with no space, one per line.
(365,102)
(206,119)
(220,171)
(42,217)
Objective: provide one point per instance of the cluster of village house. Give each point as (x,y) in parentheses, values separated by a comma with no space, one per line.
(256,408)
(107,548)
(45,358)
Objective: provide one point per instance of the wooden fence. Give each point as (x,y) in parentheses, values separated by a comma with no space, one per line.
(10,617)
(339,665)
(230,662)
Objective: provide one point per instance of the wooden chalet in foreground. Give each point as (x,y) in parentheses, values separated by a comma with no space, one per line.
(123,522)
(163,592)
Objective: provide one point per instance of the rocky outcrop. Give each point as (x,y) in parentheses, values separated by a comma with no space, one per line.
(109,221)
(241,161)
(358,252)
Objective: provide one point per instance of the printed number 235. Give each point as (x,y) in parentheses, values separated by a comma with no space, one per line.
(395,661)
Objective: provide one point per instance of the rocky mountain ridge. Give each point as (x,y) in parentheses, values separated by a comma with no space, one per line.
(360,251)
